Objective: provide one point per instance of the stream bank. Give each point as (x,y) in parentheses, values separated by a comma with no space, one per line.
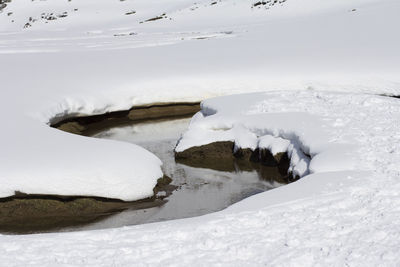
(187,189)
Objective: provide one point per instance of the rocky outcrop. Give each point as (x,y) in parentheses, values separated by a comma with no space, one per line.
(222,156)
(25,213)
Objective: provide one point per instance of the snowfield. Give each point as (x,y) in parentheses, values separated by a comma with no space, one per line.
(318,67)
(331,217)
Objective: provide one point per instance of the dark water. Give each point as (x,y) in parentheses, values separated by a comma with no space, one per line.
(199,190)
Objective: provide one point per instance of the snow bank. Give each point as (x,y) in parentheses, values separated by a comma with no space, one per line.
(57,163)
(274,144)
(249,122)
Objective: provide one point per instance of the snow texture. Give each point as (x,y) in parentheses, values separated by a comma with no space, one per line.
(98,57)
(347,217)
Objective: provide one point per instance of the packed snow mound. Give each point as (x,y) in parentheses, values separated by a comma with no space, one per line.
(293,122)
(274,144)
(58,163)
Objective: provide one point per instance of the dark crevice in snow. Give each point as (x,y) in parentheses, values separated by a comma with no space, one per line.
(162,16)
(90,124)
(3,4)
(388,95)
(267,3)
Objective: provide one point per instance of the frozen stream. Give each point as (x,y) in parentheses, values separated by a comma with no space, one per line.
(194,191)
(199,191)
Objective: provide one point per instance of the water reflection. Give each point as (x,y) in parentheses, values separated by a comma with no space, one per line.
(199,190)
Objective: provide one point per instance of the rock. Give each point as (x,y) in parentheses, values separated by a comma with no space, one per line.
(72,127)
(163,188)
(163,111)
(217,156)
(221,156)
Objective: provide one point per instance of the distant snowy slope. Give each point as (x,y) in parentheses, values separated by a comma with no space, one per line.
(195,50)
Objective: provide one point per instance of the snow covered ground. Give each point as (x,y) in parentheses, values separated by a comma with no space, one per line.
(100,56)
(335,217)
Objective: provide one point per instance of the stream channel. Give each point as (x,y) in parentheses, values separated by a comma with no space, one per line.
(198,190)
(195,191)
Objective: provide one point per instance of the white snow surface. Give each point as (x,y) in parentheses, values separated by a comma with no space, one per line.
(97,59)
(331,217)
(274,144)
